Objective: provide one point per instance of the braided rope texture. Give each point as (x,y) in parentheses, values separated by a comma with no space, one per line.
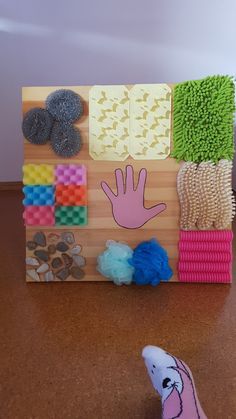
(205,194)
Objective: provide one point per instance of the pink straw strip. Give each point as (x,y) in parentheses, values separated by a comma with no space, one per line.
(192,246)
(203,267)
(205,277)
(205,256)
(209,235)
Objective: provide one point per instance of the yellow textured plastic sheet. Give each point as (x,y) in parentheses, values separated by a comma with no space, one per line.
(109,123)
(150,121)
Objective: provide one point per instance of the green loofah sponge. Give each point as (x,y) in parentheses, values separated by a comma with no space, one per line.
(203,119)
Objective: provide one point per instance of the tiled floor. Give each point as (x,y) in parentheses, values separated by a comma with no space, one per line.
(73,350)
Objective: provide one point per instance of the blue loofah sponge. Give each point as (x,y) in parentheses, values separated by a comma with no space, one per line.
(150,262)
(113,263)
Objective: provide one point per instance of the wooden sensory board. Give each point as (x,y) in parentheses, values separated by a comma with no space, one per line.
(160,187)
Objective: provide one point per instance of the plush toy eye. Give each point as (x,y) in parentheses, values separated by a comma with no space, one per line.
(154,366)
(165,382)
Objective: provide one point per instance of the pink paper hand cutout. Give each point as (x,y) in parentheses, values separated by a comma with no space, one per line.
(128,205)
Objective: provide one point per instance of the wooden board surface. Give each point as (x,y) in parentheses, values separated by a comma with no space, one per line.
(160,187)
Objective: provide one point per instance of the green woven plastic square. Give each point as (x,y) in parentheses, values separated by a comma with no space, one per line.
(203,119)
(69,216)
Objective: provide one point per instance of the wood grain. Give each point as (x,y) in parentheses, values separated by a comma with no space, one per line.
(160,187)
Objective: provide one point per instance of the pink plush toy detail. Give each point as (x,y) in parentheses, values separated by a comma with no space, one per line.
(173,380)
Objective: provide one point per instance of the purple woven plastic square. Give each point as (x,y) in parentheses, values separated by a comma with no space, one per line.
(71,174)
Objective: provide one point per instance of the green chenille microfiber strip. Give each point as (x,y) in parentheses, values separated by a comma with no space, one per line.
(203,119)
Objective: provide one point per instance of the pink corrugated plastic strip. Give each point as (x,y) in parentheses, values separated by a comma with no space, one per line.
(222,277)
(203,267)
(205,246)
(209,235)
(205,256)
(208,256)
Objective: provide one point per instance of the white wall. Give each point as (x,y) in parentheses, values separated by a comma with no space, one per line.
(53,42)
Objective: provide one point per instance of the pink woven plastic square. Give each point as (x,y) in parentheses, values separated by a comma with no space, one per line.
(205,256)
(39,215)
(68,174)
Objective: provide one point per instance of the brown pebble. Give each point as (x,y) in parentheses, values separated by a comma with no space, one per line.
(32,261)
(48,276)
(42,255)
(31,245)
(76,272)
(67,260)
(53,237)
(43,268)
(79,260)
(52,249)
(75,250)
(62,247)
(63,274)
(40,239)
(33,274)
(68,237)
(56,263)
